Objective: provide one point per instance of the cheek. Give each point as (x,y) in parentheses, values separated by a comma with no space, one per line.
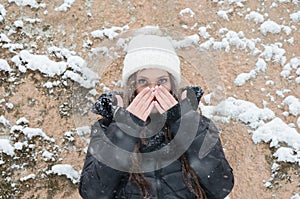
(138,90)
(168,86)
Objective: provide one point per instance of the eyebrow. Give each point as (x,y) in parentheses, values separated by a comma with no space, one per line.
(148,78)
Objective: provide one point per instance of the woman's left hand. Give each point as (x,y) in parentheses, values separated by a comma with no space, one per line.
(165,99)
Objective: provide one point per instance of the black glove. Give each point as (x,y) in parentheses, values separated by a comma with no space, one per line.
(105,103)
(194,94)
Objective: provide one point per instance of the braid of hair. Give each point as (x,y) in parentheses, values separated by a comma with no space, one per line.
(191,179)
(189,175)
(139,178)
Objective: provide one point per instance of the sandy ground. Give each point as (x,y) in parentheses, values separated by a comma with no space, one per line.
(251,163)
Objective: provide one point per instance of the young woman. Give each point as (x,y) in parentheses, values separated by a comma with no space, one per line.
(151,141)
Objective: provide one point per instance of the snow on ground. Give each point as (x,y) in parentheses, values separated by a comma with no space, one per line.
(6,148)
(65,6)
(67,170)
(2,13)
(31,3)
(111,33)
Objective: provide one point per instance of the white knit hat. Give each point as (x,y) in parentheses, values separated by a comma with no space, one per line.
(150,51)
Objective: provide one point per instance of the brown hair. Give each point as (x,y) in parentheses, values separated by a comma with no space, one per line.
(189,175)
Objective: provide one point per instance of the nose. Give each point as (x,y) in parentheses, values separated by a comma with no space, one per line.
(152,84)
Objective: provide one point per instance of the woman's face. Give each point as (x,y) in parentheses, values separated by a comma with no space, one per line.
(152,77)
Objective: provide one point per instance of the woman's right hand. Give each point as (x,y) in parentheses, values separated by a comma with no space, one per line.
(142,105)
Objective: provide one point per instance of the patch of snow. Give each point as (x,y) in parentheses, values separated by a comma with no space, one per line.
(207,44)
(25,60)
(202,31)
(49,84)
(295,16)
(5,147)
(293,104)
(22,121)
(268,185)
(19,145)
(13,47)
(4,121)
(285,154)
(4,38)
(255,16)
(295,62)
(32,20)
(31,3)
(291,40)
(242,78)
(275,167)
(274,53)
(61,53)
(277,131)
(67,170)
(4,66)
(9,105)
(298,122)
(19,24)
(270,27)
(285,73)
(280,93)
(2,13)
(231,38)
(76,63)
(207,98)
(296,196)
(47,156)
(244,111)
(187,41)
(65,6)
(85,76)
(93,92)
(69,136)
(30,176)
(187,11)
(32,132)
(111,33)
(286,29)
(223,14)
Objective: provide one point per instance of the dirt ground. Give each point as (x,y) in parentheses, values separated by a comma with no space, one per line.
(251,162)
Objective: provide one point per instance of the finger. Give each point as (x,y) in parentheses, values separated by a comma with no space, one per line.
(120,102)
(158,107)
(138,99)
(140,103)
(145,101)
(168,95)
(161,100)
(148,111)
(165,99)
(183,95)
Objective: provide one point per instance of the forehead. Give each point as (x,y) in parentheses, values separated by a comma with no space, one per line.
(152,73)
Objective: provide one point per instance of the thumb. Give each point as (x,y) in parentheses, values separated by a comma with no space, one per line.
(120,102)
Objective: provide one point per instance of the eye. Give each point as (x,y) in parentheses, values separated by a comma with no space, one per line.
(142,82)
(162,81)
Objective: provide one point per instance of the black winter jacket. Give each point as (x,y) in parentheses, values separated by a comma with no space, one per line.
(205,155)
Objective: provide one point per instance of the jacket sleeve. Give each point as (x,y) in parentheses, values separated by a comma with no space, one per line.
(205,154)
(99,180)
